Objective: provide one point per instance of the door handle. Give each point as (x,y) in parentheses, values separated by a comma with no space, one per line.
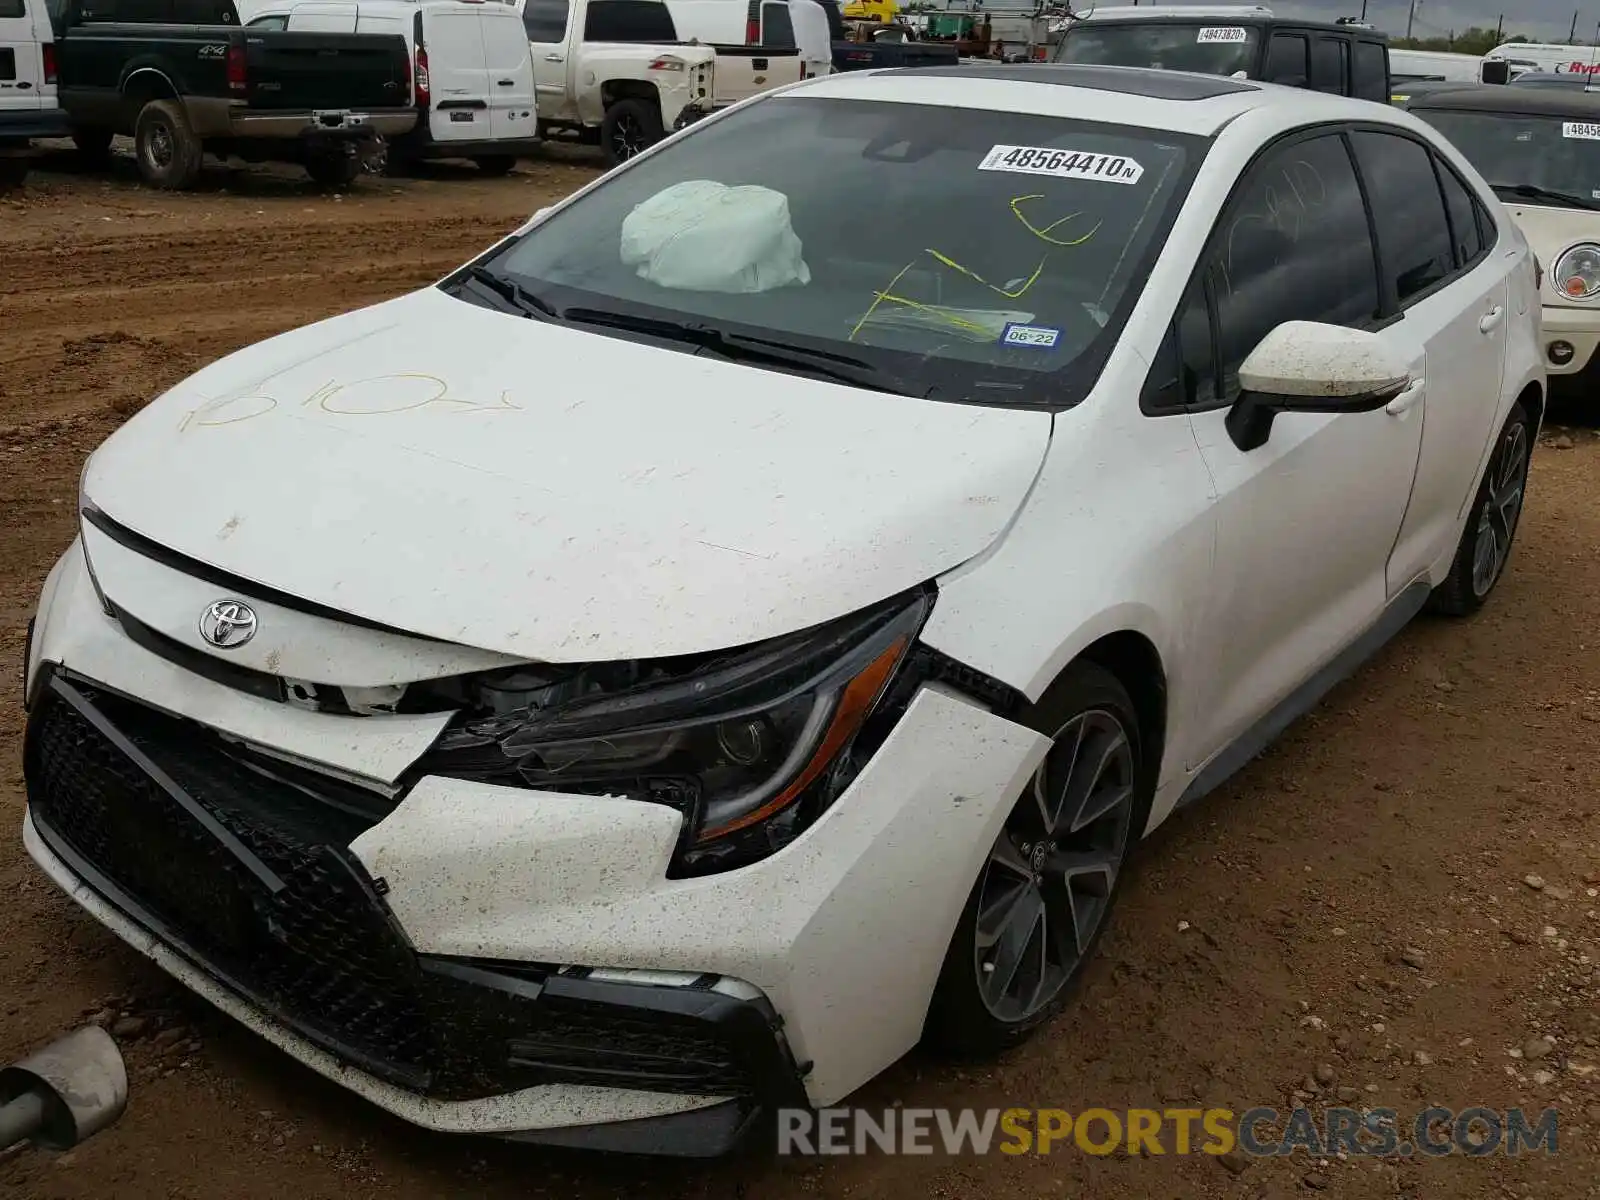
(506,82)
(1490,321)
(1406,400)
(554,58)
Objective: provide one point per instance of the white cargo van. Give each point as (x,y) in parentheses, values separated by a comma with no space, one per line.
(28,106)
(472,73)
(1505,63)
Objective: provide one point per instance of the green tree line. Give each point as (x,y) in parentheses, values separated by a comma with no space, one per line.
(1474,40)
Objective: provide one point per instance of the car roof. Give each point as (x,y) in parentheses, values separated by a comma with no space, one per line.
(1142,97)
(1169,18)
(1533,101)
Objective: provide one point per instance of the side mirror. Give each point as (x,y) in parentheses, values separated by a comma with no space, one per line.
(1305,366)
(1496,71)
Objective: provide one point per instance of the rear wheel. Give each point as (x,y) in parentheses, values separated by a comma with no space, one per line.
(630,127)
(497,164)
(336,166)
(1040,903)
(168,152)
(92,144)
(1485,545)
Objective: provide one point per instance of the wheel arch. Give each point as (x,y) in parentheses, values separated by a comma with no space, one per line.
(1136,663)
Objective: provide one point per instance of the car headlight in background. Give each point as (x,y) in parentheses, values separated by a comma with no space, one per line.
(750,745)
(1577,273)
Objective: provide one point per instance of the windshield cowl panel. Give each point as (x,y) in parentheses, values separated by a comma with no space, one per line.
(948,253)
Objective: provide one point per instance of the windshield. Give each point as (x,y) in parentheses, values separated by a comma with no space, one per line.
(1207,49)
(962,254)
(1511,150)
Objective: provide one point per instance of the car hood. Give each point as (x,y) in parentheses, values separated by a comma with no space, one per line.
(1551,231)
(556,494)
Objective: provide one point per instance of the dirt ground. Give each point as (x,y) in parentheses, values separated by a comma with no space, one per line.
(1260,940)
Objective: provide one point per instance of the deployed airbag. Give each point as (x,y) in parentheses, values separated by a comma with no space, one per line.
(701,236)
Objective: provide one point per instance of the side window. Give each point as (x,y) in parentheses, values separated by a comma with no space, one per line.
(12,8)
(1197,360)
(1293,245)
(629,21)
(1413,232)
(545,20)
(1488,231)
(1371,78)
(1288,60)
(275,22)
(1463,220)
(1330,65)
(777,29)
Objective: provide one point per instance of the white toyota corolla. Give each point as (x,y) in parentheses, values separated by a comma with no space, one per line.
(738,626)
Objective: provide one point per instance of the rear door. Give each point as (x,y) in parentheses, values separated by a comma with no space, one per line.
(510,67)
(458,73)
(545,24)
(21,60)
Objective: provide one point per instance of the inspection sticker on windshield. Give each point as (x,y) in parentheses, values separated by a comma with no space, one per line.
(1065,164)
(1581,129)
(1230,35)
(1038,337)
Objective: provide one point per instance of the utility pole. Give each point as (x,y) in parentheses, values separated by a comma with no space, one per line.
(1411,18)
(1500,29)
(1363,10)
(1572,34)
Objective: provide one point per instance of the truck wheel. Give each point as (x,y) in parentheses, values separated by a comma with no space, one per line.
(93,144)
(166,146)
(333,168)
(13,171)
(497,164)
(629,127)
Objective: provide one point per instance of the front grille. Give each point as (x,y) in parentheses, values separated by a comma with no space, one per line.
(243,866)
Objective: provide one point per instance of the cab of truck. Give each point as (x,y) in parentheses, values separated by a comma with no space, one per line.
(1249,42)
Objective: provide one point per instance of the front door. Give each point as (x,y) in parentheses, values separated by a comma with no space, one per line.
(1306,522)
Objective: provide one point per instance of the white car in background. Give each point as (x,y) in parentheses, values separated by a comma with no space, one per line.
(710,643)
(1539,148)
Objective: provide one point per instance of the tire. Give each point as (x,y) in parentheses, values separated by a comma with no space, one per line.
(1485,546)
(497,164)
(1086,710)
(336,168)
(628,127)
(165,146)
(93,144)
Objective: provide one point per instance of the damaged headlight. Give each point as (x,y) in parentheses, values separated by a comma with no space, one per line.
(750,745)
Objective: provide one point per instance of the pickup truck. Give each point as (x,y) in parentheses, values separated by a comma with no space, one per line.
(616,71)
(183,78)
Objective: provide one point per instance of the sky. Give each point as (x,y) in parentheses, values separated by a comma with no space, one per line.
(1547,20)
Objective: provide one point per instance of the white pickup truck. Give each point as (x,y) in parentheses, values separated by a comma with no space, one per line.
(615,71)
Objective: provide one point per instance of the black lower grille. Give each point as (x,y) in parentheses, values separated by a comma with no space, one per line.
(244,867)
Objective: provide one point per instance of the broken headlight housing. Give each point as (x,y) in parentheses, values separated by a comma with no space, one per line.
(750,745)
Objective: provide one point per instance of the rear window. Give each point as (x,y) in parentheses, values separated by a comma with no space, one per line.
(1211,48)
(777,29)
(545,21)
(628,21)
(13,8)
(1371,71)
(1018,245)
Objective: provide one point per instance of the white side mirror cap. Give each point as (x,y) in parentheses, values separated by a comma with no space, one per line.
(1322,362)
(540,214)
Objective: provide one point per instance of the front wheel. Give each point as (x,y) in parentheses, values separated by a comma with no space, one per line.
(1485,545)
(629,127)
(1040,903)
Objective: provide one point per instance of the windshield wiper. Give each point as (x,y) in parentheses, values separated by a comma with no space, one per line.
(528,303)
(1529,191)
(739,347)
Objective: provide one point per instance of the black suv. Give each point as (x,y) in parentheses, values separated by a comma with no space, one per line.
(1346,60)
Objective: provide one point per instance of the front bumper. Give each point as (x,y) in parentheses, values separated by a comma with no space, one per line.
(820,960)
(1578,328)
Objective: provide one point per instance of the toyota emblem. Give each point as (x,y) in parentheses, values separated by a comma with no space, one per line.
(228,624)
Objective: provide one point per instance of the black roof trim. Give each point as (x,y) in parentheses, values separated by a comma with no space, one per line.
(1503,98)
(1129,81)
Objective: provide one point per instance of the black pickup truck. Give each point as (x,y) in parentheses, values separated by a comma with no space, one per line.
(182,78)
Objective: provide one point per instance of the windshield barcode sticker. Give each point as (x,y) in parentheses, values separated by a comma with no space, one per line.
(1227,34)
(1040,337)
(1065,164)
(1581,129)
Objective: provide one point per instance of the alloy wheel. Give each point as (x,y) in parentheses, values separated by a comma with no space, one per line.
(1497,519)
(1047,884)
(160,146)
(627,137)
